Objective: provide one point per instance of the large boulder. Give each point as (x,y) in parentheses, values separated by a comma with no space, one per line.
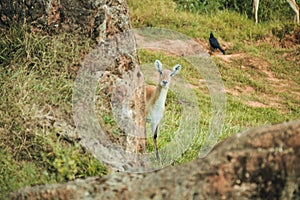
(94,18)
(260,163)
(114,56)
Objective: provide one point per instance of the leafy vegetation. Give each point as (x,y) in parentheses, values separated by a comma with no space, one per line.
(37,72)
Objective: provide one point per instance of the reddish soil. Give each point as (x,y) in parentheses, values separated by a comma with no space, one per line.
(290,43)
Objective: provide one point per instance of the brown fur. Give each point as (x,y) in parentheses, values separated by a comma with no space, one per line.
(152,93)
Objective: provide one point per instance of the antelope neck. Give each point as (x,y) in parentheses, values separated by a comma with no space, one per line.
(160,95)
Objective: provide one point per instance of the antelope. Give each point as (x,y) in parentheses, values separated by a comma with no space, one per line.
(292,3)
(156,98)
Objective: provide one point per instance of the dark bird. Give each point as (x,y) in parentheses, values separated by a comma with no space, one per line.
(214,43)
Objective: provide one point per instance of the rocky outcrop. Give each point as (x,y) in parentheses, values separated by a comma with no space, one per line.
(114,57)
(98,19)
(261,163)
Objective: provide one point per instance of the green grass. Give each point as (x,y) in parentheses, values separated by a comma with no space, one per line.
(164,14)
(274,102)
(37,74)
(36,110)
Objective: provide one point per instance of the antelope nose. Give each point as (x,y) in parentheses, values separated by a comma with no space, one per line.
(165,82)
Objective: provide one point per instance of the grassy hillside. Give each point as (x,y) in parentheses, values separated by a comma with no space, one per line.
(260,72)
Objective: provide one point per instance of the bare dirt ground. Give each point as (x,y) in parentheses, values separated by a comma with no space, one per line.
(246,61)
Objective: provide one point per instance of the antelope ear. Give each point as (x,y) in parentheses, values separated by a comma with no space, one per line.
(158,66)
(176,69)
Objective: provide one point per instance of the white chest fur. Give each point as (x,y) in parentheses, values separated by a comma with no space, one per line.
(158,108)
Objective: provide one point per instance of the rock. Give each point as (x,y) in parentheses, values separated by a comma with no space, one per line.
(261,163)
(106,22)
(94,18)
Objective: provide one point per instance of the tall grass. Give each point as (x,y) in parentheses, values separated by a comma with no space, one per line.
(36,110)
(37,72)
